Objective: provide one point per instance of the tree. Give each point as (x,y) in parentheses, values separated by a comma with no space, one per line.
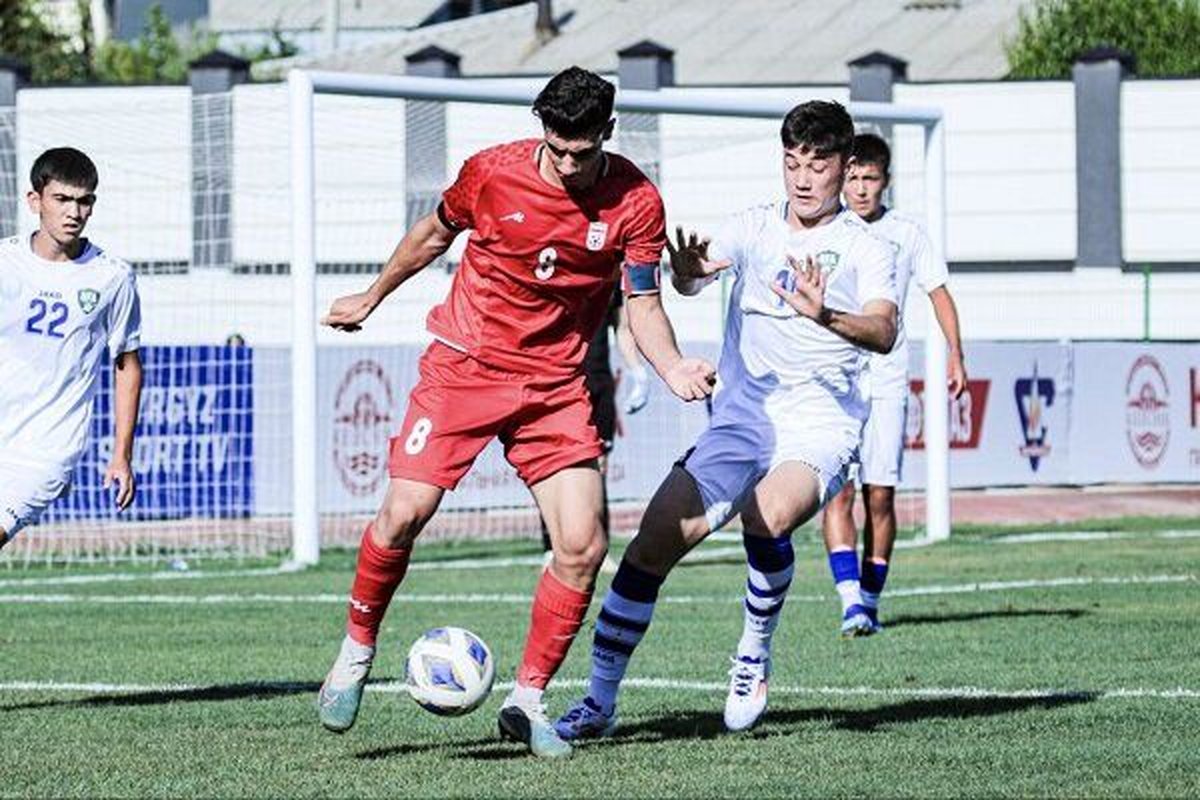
(1162,35)
(156,56)
(52,56)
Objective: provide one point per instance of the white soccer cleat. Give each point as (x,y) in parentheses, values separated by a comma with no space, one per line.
(747,698)
(639,393)
(341,693)
(585,720)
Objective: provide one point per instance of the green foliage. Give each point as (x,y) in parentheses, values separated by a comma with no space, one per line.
(1163,35)
(156,56)
(52,56)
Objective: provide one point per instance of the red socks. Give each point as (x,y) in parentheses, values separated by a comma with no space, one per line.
(558,612)
(379,573)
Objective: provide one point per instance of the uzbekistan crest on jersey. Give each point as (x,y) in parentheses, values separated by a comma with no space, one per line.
(88,300)
(827,260)
(597,232)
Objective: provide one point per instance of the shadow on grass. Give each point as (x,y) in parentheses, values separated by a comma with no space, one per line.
(199,694)
(476,749)
(902,620)
(786,721)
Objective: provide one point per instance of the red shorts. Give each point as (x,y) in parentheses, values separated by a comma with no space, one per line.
(459,404)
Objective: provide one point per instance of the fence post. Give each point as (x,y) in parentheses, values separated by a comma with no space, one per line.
(645,65)
(1097,75)
(14,75)
(212,78)
(425,135)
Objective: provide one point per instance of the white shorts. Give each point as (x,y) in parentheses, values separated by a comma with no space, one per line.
(729,460)
(25,492)
(882,453)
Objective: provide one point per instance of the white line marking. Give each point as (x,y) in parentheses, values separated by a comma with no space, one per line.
(522,599)
(662,684)
(127,577)
(1090,536)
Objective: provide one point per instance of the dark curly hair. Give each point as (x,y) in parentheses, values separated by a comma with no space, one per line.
(575,104)
(822,126)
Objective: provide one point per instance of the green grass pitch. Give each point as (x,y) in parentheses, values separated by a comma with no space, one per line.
(1046,668)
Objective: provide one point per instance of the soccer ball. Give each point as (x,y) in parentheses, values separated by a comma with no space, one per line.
(449,671)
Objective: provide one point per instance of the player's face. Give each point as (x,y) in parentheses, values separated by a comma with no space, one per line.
(813,181)
(63,210)
(575,162)
(864,189)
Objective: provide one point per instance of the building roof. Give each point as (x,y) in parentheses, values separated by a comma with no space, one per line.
(235,16)
(715,41)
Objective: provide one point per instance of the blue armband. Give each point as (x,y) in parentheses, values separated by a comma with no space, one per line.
(639,278)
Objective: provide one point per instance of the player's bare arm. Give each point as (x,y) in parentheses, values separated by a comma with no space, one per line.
(947,317)
(691,267)
(424,242)
(689,378)
(874,329)
(128,375)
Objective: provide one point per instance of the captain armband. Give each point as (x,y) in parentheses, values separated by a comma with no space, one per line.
(640,279)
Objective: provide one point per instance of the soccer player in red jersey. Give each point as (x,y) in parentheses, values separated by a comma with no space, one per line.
(555,223)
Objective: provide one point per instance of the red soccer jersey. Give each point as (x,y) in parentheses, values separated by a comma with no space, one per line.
(541,264)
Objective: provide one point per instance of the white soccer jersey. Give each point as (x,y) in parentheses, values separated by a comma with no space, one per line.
(914,258)
(57,322)
(773,361)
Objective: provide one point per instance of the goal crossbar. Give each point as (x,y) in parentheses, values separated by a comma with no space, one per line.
(303,84)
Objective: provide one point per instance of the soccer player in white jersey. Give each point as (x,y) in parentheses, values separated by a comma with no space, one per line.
(887,378)
(813,291)
(66,303)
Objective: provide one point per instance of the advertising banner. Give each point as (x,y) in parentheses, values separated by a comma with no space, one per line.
(1136,414)
(1010,426)
(193,452)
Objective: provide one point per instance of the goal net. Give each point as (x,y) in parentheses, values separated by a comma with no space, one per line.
(247,213)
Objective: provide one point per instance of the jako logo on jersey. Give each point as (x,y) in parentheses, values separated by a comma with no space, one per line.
(88,300)
(516,216)
(1034,395)
(596,234)
(546,263)
(360,606)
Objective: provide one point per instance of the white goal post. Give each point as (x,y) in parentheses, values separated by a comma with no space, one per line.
(302,86)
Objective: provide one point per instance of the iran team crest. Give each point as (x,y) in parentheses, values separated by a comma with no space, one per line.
(596,234)
(88,300)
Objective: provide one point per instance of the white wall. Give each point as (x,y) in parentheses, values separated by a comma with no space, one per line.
(140,140)
(1010,168)
(1010,195)
(1160,170)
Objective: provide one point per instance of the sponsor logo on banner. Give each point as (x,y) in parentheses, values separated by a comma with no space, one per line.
(967,413)
(362,425)
(1194,376)
(1147,421)
(1034,395)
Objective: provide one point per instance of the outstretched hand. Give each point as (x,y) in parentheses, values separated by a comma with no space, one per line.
(347,313)
(691,378)
(689,256)
(808,298)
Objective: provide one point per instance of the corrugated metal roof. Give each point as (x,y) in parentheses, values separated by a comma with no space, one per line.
(233,16)
(717,41)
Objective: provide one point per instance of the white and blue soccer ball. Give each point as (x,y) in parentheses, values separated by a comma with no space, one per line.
(449,671)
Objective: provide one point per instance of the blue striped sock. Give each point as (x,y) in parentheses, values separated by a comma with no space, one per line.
(623,620)
(844,566)
(874,576)
(770,565)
